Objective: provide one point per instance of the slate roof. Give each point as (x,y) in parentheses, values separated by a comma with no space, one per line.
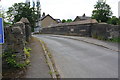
(83,17)
(57,20)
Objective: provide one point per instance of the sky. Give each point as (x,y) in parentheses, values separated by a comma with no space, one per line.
(66,9)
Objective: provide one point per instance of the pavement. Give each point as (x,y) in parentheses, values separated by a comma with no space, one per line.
(38,67)
(80,59)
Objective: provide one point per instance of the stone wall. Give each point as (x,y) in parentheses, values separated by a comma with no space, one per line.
(101,30)
(105,31)
(81,30)
(15,39)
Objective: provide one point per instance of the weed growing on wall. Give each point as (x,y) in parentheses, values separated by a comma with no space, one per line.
(11,58)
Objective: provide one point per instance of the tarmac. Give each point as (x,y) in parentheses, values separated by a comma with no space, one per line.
(109,45)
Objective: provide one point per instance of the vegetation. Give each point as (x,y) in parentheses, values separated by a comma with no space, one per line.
(50,72)
(69,20)
(102,12)
(63,21)
(19,10)
(98,37)
(66,21)
(2,15)
(27,52)
(114,39)
(117,39)
(114,20)
(11,58)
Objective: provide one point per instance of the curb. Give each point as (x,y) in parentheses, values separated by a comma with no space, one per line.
(48,60)
(88,42)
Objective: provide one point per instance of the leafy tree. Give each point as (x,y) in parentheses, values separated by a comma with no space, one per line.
(102,12)
(69,20)
(114,20)
(2,15)
(63,21)
(19,10)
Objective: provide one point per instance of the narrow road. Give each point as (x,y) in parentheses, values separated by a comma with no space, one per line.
(77,59)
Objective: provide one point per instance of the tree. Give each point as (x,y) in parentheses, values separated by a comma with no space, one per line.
(19,10)
(3,16)
(66,21)
(69,20)
(114,20)
(102,12)
(63,21)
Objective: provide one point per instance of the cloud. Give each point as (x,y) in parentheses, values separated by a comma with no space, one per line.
(65,9)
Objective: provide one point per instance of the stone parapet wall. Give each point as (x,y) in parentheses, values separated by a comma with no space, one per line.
(81,30)
(106,31)
(100,30)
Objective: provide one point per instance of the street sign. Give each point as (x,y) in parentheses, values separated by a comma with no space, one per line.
(1,31)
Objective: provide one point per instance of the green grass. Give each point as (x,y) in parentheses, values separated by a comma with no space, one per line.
(50,72)
(114,40)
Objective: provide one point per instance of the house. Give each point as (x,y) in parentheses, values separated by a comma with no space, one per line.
(80,18)
(48,21)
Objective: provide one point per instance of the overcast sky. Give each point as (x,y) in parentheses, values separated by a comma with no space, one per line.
(66,9)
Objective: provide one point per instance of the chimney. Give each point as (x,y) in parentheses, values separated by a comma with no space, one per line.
(84,15)
(43,15)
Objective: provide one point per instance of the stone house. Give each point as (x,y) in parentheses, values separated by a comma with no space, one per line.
(48,21)
(80,18)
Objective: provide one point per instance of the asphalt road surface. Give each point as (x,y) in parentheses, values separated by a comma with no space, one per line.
(77,59)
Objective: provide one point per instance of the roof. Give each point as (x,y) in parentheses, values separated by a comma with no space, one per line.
(24,20)
(83,17)
(89,21)
(57,20)
(46,16)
